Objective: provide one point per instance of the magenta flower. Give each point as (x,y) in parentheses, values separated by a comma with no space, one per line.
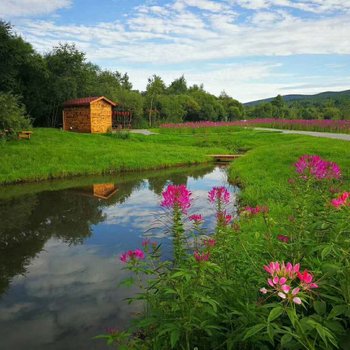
(146,242)
(219,195)
(341,201)
(306,280)
(201,256)
(256,210)
(223,218)
(196,218)
(209,242)
(286,281)
(283,238)
(177,196)
(132,255)
(316,167)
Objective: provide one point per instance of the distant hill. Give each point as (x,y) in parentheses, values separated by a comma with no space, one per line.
(288,98)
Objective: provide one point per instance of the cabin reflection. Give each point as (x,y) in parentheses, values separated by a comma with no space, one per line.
(102,191)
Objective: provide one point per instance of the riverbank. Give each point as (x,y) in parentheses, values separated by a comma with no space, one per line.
(54,154)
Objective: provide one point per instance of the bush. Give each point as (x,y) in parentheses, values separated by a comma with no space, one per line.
(12,115)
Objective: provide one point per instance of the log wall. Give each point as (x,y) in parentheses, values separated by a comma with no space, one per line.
(101,116)
(77,119)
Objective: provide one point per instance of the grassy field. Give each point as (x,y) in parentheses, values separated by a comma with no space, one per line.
(56,154)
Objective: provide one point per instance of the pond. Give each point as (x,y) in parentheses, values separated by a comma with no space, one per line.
(60,243)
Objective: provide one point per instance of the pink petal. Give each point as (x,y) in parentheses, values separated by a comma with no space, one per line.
(295,291)
(296,300)
(269,281)
(282,295)
(275,280)
(285,288)
(263,290)
(283,280)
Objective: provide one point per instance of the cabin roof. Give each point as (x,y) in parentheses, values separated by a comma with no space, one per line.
(86,101)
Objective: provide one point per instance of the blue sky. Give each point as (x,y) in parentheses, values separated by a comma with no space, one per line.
(250,48)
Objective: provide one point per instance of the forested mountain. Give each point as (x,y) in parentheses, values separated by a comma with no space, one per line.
(335,95)
(326,105)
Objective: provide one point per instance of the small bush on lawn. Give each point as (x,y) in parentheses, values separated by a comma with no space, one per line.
(12,116)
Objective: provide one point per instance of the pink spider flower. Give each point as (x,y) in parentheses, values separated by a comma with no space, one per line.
(196,218)
(201,256)
(210,242)
(283,270)
(316,167)
(256,210)
(341,201)
(134,255)
(223,218)
(177,196)
(219,195)
(283,238)
(306,280)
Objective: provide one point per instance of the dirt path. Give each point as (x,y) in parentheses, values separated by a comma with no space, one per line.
(328,135)
(142,132)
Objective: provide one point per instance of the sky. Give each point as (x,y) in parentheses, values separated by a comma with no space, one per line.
(251,49)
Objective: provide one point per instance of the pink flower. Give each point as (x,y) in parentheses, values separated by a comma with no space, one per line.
(177,196)
(209,242)
(297,300)
(316,167)
(201,256)
(285,288)
(146,242)
(283,238)
(219,195)
(136,254)
(306,280)
(256,210)
(223,218)
(342,200)
(196,218)
(282,295)
(263,290)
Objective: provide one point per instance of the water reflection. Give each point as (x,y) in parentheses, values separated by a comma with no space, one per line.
(59,249)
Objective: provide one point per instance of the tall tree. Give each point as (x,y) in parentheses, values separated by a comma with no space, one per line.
(154,89)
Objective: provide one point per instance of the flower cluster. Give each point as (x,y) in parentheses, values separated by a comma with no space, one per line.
(255,210)
(288,282)
(294,124)
(177,196)
(204,256)
(132,255)
(316,167)
(219,195)
(223,218)
(210,242)
(196,218)
(283,238)
(342,200)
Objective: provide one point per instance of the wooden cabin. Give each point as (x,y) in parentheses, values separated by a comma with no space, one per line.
(88,114)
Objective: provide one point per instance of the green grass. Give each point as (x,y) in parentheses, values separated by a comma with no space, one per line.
(264,169)
(56,154)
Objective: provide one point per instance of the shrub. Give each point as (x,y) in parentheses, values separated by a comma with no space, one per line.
(12,115)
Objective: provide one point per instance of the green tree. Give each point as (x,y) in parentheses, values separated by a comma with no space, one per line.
(154,89)
(178,86)
(12,113)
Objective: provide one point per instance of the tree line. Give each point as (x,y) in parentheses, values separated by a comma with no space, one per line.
(36,85)
(42,82)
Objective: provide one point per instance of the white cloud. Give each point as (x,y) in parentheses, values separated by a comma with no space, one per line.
(20,8)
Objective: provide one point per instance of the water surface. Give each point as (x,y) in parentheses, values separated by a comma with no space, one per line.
(60,244)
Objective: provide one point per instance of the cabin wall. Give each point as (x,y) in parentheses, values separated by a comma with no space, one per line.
(101,116)
(77,119)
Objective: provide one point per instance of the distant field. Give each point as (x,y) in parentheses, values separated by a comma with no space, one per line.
(340,126)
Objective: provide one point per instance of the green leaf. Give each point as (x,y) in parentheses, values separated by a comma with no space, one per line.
(285,340)
(275,313)
(174,337)
(292,316)
(254,330)
(320,307)
(336,311)
(326,251)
